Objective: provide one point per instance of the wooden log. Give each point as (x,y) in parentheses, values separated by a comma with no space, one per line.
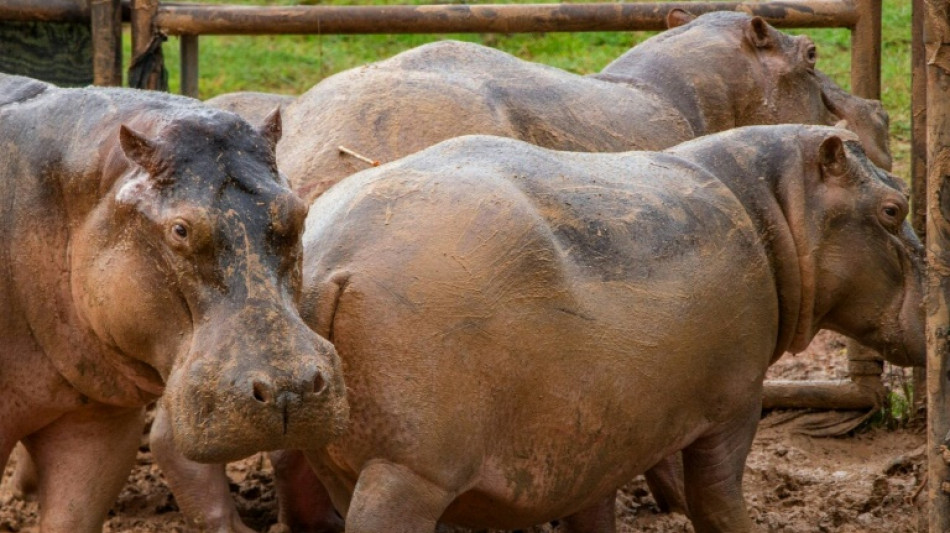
(918,160)
(147,68)
(866,50)
(937,49)
(50,10)
(831,394)
(189,65)
(196,19)
(106,20)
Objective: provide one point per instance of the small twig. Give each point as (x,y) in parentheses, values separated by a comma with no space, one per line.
(913,497)
(362,158)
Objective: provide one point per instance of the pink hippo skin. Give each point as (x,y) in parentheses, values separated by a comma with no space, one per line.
(149,247)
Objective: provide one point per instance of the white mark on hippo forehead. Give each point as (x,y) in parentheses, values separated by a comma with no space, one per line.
(134,188)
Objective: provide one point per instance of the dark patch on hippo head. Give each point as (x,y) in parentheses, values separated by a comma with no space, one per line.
(728,69)
(868,261)
(205,240)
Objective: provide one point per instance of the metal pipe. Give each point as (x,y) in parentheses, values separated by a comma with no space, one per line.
(196,19)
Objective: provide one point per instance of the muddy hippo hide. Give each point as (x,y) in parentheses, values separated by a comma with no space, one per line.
(148,244)
(522,331)
(717,72)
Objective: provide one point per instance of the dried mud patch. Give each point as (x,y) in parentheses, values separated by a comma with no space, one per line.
(865,482)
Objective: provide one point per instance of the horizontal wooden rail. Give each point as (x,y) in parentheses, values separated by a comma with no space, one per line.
(835,394)
(51,11)
(206,19)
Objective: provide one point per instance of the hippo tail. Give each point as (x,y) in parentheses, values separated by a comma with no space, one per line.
(321,301)
(15,89)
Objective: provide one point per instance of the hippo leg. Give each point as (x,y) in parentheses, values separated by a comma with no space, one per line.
(24,480)
(82,461)
(394,499)
(598,518)
(305,505)
(714,464)
(665,480)
(201,490)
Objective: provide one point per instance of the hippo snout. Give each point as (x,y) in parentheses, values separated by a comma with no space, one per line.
(273,393)
(233,397)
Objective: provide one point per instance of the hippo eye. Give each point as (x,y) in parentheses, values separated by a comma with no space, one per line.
(811,55)
(892,215)
(178,233)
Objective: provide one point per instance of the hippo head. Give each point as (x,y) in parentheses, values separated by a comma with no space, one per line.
(860,257)
(200,254)
(728,69)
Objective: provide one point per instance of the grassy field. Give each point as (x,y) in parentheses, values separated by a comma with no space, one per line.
(291,64)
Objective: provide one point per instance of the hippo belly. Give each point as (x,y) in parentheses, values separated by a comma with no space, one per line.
(528,343)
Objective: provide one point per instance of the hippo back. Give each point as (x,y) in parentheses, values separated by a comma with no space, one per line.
(396,107)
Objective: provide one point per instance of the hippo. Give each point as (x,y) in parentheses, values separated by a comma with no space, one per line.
(659,93)
(523,330)
(150,249)
(719,71)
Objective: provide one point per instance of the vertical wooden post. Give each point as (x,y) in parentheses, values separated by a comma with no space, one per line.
(918,159)
(866,83)
(866,50)
(937,47)
(189,65)
(106,19)
(147,68)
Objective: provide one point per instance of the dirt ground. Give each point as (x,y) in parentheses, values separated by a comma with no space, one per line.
(865,482)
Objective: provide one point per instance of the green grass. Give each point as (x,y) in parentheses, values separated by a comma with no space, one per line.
(291,64)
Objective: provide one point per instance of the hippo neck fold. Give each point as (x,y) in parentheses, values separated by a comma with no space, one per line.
(772,191)
(703,96)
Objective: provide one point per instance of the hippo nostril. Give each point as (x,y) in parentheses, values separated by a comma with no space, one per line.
(318,383)
(262,392)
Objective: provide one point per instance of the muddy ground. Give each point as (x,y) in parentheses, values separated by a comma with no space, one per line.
(868,481)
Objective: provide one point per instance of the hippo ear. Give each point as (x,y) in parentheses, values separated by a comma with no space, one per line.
(139,149)
(833,158)
(757,33)
(678,17)
(272,128)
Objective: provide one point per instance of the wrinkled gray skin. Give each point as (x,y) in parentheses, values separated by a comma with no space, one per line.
(720,71)
(522,331)
(149,247)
